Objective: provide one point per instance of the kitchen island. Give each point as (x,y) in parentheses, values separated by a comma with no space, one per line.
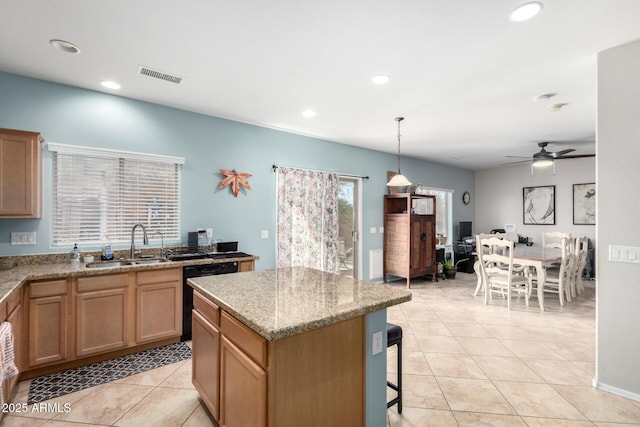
(288,347)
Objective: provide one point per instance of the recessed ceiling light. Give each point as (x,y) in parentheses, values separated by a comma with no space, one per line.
(64,46)
(525,11)
(110,84)
(381,79)
(309,113)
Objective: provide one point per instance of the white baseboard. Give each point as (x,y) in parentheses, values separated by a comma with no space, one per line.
(616,391)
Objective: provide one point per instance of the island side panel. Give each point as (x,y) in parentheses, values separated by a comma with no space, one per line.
(318,377)
(376,371)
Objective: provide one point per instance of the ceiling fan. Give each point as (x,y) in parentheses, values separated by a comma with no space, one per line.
(546,158)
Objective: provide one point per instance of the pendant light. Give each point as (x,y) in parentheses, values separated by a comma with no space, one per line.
(398,180)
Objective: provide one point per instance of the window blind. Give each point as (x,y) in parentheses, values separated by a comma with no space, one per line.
(99,195)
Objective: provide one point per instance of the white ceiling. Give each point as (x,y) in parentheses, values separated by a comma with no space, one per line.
(462,74)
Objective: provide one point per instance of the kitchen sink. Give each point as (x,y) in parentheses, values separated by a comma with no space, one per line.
(148,261)
(107,264)
(125,262)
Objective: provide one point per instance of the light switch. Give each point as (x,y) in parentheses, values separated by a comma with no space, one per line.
(381,230)
(630,254)
(23,238)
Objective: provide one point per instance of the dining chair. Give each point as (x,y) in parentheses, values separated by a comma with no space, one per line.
(498,270)
(476,265)
(553,239)
(559,277)
(581,250)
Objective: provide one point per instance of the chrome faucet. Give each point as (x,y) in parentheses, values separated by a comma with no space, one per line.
(145,239)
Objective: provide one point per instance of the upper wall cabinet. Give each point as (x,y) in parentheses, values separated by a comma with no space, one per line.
(20,174)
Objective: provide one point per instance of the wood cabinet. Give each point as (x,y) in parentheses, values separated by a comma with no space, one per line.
(313,378)
(158,304)
(20,174)
(102,313)
(206,352)
(76,321)
(247,265)
(409,236)
(48,311)
(243,388)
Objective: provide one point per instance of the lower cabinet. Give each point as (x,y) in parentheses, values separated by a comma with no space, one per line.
(102,312)
(243,388)
(205,361)
(158,304)
(48,333)
(229,366)
(246,265)
(90,316)
(313,378)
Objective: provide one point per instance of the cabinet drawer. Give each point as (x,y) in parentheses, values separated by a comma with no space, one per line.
(13,301)
(159,276)
(206,308)
(47,289)
(250,342)
(101,283)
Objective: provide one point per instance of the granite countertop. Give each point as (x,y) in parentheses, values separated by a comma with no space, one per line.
(286,302)
(12,278)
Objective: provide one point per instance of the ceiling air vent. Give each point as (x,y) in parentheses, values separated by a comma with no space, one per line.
(146,71)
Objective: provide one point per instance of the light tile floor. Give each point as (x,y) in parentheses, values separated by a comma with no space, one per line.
(470,364)
(465,364)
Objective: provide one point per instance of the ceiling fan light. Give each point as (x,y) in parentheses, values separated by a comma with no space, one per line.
(380,79)
(399,181)
(542,163)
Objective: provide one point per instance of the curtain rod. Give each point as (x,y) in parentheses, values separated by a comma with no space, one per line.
(318,170)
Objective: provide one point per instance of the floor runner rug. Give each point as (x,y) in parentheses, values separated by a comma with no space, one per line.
(72,380)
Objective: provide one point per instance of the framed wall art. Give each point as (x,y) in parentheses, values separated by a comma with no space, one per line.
(584,204)
(539,205)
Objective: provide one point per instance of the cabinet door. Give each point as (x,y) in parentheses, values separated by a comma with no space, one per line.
(243,388)
(20,163)
(246,265)
(101,321)
(47,329)
(205,362)
(159,311)
(419,239)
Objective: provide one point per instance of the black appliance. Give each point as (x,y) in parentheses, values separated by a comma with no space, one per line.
(200,270)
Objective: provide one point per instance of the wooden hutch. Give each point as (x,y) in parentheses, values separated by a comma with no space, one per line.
(409,236)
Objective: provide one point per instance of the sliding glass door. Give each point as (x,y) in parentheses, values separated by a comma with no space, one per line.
(349,222)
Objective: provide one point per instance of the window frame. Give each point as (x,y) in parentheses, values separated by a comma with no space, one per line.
(110,181)
(447,218)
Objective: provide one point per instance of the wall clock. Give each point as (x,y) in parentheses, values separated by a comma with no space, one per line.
(466,197)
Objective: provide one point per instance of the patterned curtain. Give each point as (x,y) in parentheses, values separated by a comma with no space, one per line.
(307,219)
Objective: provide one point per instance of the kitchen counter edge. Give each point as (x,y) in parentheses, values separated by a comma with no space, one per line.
(15,277)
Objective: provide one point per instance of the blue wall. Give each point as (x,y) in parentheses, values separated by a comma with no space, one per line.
(69,115)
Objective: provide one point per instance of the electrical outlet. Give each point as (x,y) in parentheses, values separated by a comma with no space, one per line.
(209,233)
(376,346)
(372,230)
(264,234)
(381,230)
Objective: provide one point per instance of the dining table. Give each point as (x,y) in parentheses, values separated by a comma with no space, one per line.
(537,257)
